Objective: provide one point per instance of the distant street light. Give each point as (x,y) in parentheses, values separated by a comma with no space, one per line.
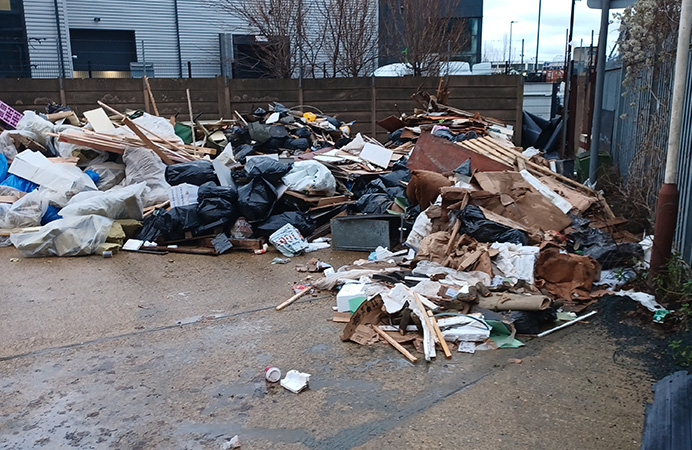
(538,34)
(509,58)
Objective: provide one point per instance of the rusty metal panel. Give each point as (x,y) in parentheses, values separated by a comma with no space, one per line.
(439,155)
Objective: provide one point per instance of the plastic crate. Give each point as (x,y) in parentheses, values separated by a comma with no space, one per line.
(9,115)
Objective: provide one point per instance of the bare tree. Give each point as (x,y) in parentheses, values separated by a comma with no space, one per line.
(350,35)
(422,33)
(281,28)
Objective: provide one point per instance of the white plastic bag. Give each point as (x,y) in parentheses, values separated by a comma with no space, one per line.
(422,227)
(141,164)
(117,203)
(516,261)
(71,236)
(310,177)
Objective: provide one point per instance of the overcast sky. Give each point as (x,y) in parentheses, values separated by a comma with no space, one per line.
(497,15)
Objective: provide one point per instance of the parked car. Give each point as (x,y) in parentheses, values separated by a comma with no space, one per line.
(451,68)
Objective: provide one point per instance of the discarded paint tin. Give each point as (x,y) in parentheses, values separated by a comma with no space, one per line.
(272,374)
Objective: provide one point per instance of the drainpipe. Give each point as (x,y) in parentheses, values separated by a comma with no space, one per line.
(669,196)
(61,61)
(177,38)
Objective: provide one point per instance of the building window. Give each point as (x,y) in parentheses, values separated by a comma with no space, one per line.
(102,53)
(14,54)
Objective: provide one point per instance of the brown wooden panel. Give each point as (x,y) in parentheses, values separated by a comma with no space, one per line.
(337,83)
(263,84)
(483,80)
(17,85)
(263,96)
(338,94)
(344,106)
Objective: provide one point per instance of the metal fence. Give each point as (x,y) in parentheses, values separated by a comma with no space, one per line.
(636,120)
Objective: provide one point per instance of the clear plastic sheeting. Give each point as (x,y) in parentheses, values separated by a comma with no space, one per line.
(117,203)
(7,147)
(310,177)
(71,236)
(36,127)
(141,164)
(110,174)
(25,212)
(159,126)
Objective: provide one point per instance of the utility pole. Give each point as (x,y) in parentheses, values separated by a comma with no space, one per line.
(669,196)
(568,82)
(522,55)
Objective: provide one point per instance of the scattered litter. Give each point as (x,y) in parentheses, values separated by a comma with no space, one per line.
(278,260)
(295,381)
(272,374)
(234,442)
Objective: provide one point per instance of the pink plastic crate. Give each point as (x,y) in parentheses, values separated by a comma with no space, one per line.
(9,115)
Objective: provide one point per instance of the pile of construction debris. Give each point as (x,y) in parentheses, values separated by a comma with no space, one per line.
(473,240)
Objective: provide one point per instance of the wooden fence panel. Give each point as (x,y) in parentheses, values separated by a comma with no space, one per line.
(364,100)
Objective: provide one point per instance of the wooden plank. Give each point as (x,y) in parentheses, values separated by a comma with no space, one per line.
(151,95)
(132,126)
(294,298)
(8,198)
(438,332)
(395,344)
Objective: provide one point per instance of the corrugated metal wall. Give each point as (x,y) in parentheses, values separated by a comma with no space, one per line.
(42,34)
(154,22)
(683,235)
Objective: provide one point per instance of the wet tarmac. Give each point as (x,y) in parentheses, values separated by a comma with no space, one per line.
(168,352)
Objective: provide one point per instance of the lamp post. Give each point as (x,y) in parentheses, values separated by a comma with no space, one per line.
(509,57)
(538,34)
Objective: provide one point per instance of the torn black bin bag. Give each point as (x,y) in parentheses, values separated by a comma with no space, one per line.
(302,221)
(303,133)
(152,226)
(217,203)
(267,168)
(371,204)
(297,144)
(602,247)
(242,152)
(474,223)
(256,199)
(170,225)
(398,174)
(259,132)
(612,254)
(194,172)
(531,322)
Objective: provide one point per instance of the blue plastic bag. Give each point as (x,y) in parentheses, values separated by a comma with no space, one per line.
(19,183)
(52,213)
(3,167)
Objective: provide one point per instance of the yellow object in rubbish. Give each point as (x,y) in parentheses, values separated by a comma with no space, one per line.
(310,117)
(345,130)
